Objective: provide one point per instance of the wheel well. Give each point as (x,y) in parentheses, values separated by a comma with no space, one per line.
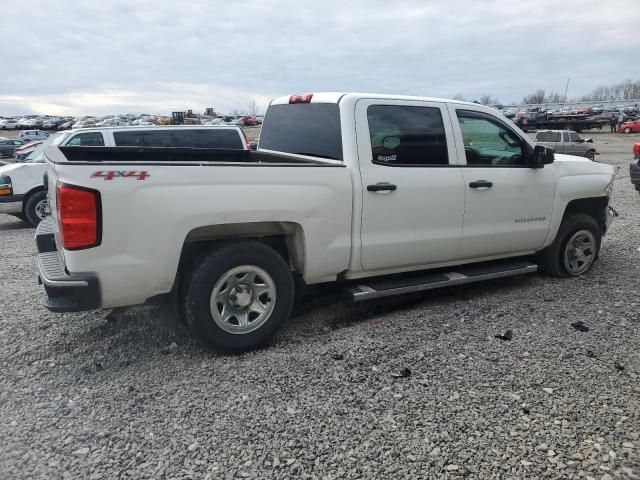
(595,207)
(286,238)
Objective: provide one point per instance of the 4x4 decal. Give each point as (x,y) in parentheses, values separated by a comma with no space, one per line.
(111,174)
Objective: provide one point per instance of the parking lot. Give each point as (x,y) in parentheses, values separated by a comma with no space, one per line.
(89,396)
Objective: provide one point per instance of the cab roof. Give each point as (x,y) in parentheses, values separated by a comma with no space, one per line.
(337,97)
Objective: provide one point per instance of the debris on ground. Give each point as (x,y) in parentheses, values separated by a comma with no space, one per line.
(580,326)
(508,335)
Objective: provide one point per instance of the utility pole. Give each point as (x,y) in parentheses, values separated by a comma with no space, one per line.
(566,89)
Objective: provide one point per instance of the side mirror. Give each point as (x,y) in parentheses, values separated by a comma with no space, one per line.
(581,140)
(541,156)
(253,146)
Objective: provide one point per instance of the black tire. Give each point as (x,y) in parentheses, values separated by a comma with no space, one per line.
(591,155)
(20,216)
(211,267)
(29,209)
(551,259)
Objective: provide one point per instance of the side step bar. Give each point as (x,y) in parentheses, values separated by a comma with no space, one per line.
(410,283)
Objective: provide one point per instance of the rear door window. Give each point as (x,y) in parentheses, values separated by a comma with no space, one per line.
(303,128)
(404,135)
(180,138)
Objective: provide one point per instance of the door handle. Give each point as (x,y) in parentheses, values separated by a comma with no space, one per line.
(382,187)
(481,184)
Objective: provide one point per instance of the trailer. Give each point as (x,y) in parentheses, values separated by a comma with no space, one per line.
(544,121)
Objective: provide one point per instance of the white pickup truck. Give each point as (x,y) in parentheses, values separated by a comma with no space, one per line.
(384,194)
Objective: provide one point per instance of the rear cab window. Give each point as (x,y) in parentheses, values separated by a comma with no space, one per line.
(223,138)
(311,129)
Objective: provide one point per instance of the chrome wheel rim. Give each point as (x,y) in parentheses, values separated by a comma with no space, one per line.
(243,299)
(41,209)
(579,252)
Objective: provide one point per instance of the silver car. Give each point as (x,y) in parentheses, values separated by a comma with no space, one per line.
(568,142)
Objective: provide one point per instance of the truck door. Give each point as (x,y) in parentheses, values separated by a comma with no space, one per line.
(574,145)
(412,187)
(564,148)
(507,204)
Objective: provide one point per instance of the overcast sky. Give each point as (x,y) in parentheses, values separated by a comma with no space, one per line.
(98,57)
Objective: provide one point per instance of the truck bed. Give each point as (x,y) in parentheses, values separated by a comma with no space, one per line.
(177,155)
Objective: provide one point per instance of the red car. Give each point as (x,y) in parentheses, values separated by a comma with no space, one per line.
(630,126)
(250,121)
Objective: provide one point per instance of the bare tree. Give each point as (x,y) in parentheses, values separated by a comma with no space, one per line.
(555,97)
(458,96)
(535,98)
(486,99)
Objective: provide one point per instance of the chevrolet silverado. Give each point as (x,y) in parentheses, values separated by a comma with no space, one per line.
(383,194)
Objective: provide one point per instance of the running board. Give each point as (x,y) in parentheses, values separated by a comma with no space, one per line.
(410,283)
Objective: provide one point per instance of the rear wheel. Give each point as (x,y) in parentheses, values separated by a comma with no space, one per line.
(35,208)
(574,249)
(238,296)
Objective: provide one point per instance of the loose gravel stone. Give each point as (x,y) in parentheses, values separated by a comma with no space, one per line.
(293,410)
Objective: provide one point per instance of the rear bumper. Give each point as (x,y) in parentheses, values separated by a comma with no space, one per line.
(65,292)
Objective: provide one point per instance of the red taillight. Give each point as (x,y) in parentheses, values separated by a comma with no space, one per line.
(303,98)
(636,150)
(78,216)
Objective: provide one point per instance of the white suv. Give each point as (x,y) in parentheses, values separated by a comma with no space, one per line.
(22,191)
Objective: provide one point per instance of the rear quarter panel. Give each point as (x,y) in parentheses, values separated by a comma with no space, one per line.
(145,223)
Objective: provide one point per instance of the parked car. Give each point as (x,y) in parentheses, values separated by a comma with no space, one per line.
(250,121)
(632,126)
(337,191)
(568,142)
(8,147)
(634,169)
(22,152)
(31,135)
(26,178)
(8,124)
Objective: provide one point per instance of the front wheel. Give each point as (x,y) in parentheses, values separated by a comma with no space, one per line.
(591,155)
(627,130)
(238,296)
(574,249)
(35,208)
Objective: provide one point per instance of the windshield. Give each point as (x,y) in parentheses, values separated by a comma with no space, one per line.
(37,156)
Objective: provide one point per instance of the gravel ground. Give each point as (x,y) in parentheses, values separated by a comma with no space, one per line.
(85,397)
